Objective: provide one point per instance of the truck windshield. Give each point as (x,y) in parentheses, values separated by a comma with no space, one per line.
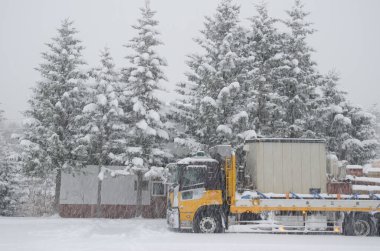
(193,176)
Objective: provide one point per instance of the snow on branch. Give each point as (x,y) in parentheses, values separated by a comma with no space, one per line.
(228,90)
(238,117)
(157,172)
(113,173)
(210,101)
(190,143)
(90,108)
(249,134)
(224,129)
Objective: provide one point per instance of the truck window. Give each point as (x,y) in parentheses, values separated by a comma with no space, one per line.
(194,176)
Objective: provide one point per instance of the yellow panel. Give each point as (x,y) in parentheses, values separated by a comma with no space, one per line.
(188,208)
(234,177)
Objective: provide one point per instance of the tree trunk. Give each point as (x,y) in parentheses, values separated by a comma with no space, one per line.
(138,212)
(57,194)
(99,197)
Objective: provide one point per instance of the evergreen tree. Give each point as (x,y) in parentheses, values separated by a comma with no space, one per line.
(102,124)
(212,109)
(5,194)
(49,137)
(8,182)
(11,189)
(300,78)
(349,131)
(374,109)
(265,74)
(183,114)
(332,122)
(147,135)
(362,144)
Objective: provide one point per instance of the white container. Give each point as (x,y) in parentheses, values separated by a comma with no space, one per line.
(286,165)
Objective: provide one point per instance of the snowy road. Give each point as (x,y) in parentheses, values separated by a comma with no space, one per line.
(56,234)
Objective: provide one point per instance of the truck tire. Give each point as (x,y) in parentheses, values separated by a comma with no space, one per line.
(208,222)
(359,224)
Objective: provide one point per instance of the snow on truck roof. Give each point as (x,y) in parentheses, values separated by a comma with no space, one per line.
(285,140)
(196,159)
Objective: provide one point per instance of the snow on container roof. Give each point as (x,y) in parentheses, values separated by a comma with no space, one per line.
(354,167)
(285,140)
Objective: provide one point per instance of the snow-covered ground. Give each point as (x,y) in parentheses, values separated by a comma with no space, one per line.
(55,234)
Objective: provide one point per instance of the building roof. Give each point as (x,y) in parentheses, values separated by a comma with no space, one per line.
(354,167)
(285,140)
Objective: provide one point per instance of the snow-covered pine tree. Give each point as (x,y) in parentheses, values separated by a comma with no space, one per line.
(8,182)
(102,125)
(147,135)
(233,124)
(332,121)
(5,177)
(264,71)
(300,77)
(183,116)
(49,137)
(349,130)
(375,110)
(11,187)
(361,146)
(212,110)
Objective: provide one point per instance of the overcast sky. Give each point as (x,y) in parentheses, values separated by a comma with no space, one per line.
(348,38)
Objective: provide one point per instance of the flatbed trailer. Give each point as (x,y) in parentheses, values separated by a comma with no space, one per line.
(307,206)
(214,205)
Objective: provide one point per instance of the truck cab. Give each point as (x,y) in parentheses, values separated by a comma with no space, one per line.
(195,198)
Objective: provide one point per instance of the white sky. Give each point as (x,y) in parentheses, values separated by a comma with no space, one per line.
(348,38)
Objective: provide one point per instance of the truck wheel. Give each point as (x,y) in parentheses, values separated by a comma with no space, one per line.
(360,225)
(208,222)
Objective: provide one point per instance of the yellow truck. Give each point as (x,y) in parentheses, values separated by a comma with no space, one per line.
(278,186)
